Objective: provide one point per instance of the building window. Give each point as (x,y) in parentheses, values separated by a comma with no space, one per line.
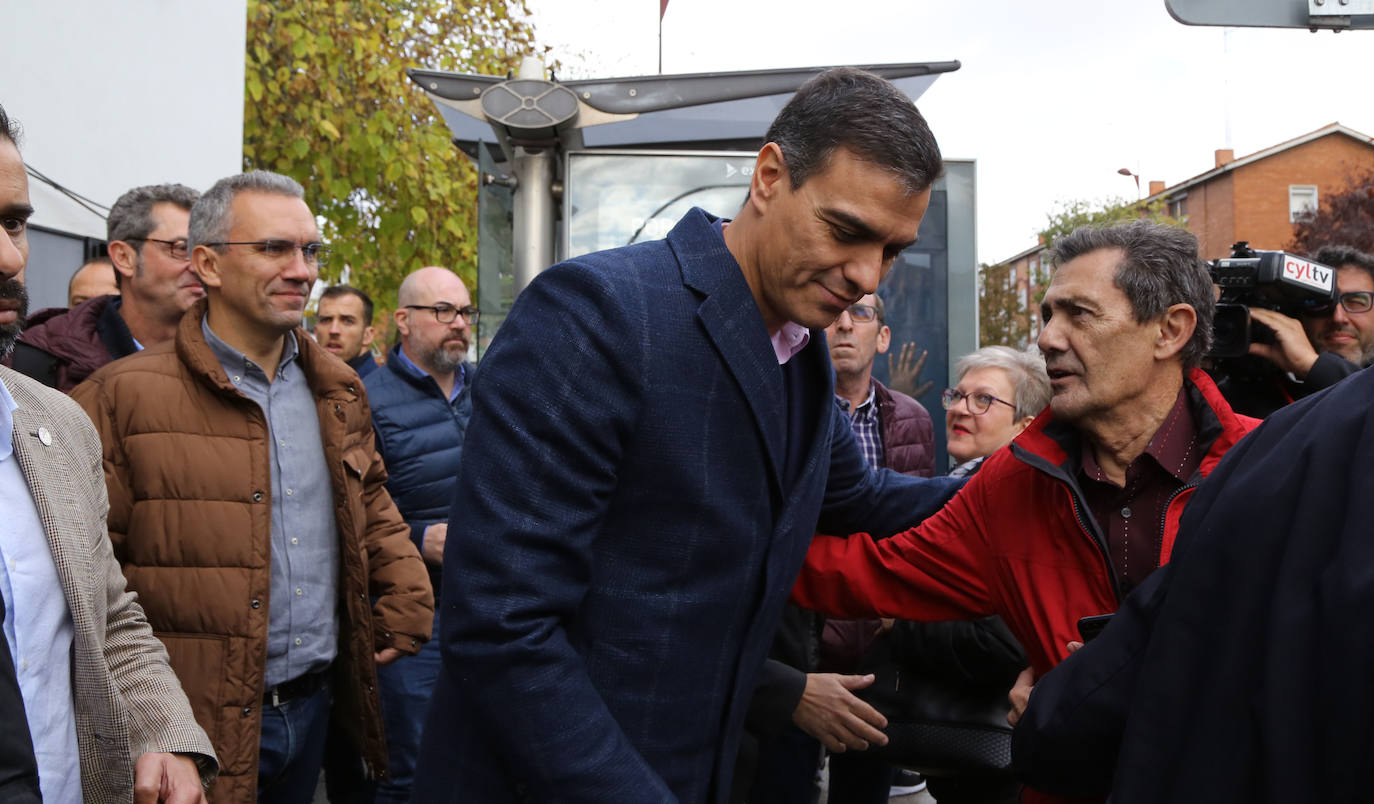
(1302,201)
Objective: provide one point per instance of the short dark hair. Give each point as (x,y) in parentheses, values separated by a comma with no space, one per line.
(336,291)
(1338,256)
(9,130)
(849,108)
(1161,268)
(878,305)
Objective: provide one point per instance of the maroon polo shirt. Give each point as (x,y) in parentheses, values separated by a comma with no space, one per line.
(1132,516)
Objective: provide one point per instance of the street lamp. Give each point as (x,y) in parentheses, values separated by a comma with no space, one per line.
(1127,172)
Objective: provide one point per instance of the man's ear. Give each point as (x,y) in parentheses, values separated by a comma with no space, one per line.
(1176,327)
(402,319)
(884,338)
(124,257)
(369,333)
(770,177)
(205,262)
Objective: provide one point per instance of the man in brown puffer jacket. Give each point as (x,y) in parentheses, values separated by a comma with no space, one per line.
(247,505)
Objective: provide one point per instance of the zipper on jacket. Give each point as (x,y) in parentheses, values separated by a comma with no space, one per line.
(1061,477)
(1100,545)
(1164,517)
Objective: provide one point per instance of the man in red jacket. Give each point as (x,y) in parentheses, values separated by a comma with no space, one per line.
(1084,504)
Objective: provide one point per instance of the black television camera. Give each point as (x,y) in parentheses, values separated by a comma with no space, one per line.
(1274,280)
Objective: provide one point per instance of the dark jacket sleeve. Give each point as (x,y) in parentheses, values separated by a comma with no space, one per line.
(1329,369)
(776,695)
(1068,740)
(880,502)
(972,652)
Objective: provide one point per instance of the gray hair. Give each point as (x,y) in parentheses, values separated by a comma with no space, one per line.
(211,217)
(1025,368)
(1337,256)
(863,113)
(1161,268)
(131,217)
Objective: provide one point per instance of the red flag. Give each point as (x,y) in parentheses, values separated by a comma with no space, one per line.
(662,8)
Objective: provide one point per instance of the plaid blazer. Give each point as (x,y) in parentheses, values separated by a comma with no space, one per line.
(128,702)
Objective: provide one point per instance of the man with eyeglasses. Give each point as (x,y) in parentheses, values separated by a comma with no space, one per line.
(146,229)
(1084,505)
(1328,343)
(248,507)
(420,409)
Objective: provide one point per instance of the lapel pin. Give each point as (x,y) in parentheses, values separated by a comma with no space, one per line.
(45,436)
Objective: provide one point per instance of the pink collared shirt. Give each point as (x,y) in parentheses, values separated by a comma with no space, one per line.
(789,340)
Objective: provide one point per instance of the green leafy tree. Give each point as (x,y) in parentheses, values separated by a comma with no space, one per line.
(1070,215)
(329,104)
(1002,318)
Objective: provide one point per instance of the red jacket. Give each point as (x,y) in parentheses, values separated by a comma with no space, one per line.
(1018,541)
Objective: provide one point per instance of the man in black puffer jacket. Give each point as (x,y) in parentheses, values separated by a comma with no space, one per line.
(420,410)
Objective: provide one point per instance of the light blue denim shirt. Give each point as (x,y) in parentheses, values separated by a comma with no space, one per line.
(302,618)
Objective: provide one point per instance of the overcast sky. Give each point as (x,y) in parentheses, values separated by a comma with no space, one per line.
(1053,97)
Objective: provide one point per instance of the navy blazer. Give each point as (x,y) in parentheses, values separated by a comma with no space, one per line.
(639,485)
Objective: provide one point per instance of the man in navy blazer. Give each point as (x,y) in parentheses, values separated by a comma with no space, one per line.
(653,442)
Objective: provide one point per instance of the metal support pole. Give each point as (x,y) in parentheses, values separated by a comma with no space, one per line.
(533,213)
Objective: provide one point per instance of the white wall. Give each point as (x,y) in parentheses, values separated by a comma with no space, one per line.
(112,95)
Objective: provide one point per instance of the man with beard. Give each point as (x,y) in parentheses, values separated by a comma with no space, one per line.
(247,504)
(1329,341)
(147,234)
(107,720)
(420,410)
(343,326)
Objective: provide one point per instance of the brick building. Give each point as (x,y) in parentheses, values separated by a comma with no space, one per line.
(1255,198)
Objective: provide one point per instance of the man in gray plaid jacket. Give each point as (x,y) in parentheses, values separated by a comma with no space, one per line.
(107,719)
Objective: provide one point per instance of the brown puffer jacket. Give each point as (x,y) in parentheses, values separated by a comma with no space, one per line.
(186,462)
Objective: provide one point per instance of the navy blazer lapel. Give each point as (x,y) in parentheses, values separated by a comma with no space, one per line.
(815,363)
(47,486)
(734,324)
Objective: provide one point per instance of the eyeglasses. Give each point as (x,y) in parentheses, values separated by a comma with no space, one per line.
(176,249)
(978,402)
(314,253)
(1356,301)
(446,313)
(862,312)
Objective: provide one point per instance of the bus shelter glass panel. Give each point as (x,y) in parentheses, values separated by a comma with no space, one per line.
(614,199)
(617,198)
